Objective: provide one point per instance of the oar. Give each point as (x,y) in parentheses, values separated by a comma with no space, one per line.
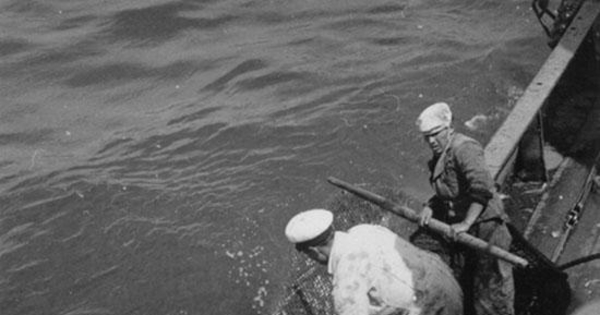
(435,225)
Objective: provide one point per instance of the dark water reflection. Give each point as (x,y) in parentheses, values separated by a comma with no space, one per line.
(152,153)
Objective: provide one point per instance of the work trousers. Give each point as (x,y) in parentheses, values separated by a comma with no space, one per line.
(487,282)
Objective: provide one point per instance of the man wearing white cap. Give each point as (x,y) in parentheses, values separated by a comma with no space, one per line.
(466,199)
(375,271)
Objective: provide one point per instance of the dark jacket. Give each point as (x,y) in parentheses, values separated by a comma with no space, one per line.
(459,177)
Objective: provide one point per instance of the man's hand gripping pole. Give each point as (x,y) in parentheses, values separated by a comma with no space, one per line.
(435,225)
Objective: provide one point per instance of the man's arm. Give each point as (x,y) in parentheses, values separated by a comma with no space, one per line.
(471,160)
(351,285)
(472,214)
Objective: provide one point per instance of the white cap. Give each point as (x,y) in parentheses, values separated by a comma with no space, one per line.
(308,225)
(435,118)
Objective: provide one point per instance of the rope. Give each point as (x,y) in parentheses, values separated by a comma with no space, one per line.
(579,261)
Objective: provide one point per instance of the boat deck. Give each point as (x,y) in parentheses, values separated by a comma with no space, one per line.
(585,241)
(561,108)
(565,225)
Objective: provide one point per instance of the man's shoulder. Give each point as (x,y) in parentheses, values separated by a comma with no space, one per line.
(373,234)
(366,228)
(465,146)
(369,232)
(460,139)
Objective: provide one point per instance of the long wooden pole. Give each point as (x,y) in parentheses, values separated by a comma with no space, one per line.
(435,225)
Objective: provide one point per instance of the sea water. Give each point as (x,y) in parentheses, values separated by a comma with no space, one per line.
(153,151)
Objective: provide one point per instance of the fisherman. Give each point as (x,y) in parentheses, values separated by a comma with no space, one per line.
(374,270)
(465,198)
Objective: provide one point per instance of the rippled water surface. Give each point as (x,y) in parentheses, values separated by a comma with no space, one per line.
(152,151)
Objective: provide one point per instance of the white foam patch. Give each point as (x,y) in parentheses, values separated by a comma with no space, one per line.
(477,122)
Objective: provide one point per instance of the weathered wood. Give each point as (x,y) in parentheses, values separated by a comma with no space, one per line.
(503,145)
(547,226)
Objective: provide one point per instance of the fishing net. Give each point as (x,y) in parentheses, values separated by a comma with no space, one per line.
(309,294)
(541,288)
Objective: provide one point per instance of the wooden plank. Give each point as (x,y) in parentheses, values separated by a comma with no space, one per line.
(585,278)
(585,239)
(545,229)
(505,141)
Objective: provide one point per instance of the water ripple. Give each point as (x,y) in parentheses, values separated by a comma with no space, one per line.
(243,68)
(155,149)
(164,22)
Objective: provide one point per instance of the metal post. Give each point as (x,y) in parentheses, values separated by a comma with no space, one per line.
(530,163)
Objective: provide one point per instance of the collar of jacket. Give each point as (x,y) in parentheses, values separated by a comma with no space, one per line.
(441,161)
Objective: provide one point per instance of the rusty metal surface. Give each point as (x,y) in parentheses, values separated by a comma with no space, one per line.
(503,144)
